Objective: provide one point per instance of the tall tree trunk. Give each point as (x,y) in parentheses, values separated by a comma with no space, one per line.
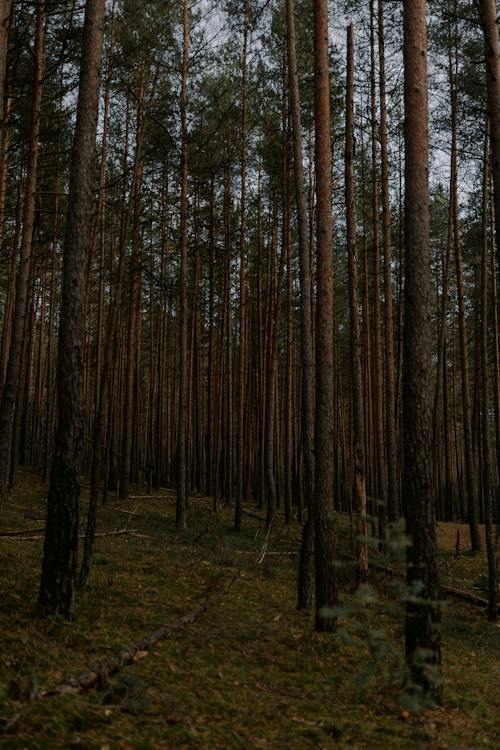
(306,563)
(470,471)
(134,300)
(240,445)
(324,514)
(423,642)
(212,401)
(182,473)
(390,389)
(378,397)
(356,366)
(57,586)
(487,473)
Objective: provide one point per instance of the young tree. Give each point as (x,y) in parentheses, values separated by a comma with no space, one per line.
(423,642)
(57,586)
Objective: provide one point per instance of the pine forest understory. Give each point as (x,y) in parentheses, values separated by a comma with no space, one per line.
(249,374)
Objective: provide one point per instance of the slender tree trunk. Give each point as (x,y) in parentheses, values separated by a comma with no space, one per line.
(390,389)
(211,403)
(487,473)
(423,642)
(496,365)
(464,365)
(324,513)
(488,13)
(240,445)
(378,398)
(182,472)
(134,301)
(441,375)
(57,586)
(306,563)
(359,494)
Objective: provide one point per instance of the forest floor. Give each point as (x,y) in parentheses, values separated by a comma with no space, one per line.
(250,672)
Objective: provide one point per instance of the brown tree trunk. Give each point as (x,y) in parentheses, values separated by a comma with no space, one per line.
(390,389)
(423,642)
(487,473)
(57,586)
(324,514)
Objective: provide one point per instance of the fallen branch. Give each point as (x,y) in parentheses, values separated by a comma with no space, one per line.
(454,593)
(118,532)
(290,553)
(21,533)
(96,674)
(148,497)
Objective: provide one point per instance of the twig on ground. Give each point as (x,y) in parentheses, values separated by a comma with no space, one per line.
(96,674)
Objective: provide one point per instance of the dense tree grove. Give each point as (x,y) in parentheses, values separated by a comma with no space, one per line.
(248,251)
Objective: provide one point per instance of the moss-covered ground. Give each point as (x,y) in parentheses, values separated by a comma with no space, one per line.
(250,673)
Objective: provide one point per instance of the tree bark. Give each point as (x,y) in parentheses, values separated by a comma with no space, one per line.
(423,642)
(57,586)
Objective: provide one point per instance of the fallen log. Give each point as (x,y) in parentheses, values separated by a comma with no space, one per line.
(97,673)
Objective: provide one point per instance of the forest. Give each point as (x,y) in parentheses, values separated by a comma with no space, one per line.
(249,374)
